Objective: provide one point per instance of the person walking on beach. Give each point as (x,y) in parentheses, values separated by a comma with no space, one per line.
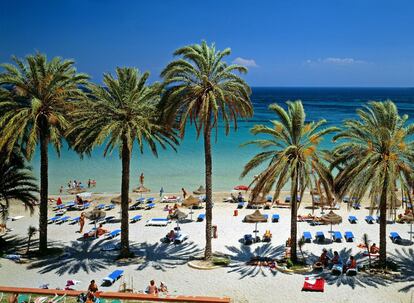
(184,193)
(81,222)
(61,190)
(89,183)
(70,184)
(161,191)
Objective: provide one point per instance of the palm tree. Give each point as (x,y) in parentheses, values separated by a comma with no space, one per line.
(35,111)
(117,115)
(200,88)
(291,152)
(375,156)
(16,182)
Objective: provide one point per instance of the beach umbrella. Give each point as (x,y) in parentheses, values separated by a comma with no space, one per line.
(190,202)
(95,215)
(331,218)
(118,200)
(409,218)
(141,189)
(200,191)
(258,201)
(255,217)
(241,187)
(178,216)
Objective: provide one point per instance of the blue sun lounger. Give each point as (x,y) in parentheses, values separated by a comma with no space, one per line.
(62,220)
(240,205)
(275,218)
(337,236)
(100,206)
(74,220)
(395,237)
(269,199)
(113,234)
(287,199)
(59,207)
(352,219)
(150,200)
(109,207)
(136,218)
(356,205)
(201,217)
(248,239)
(307,236)
(83,206)
(141,200)
(320,237)
(266,216)
(53,220)
(370,219)
(349,236)
(115,275)
(151,205)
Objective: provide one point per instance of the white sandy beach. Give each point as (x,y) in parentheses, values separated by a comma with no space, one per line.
(85,261)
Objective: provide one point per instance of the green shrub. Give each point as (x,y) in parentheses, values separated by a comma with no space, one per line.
(221,261)
(289,263)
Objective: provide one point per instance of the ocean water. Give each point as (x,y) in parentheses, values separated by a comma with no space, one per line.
(185,168)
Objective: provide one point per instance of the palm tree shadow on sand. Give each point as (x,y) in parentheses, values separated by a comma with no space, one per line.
(240,257)
(404,259)
(78,256)
(164,256)
(362,279)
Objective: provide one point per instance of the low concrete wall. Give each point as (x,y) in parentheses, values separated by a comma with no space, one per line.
(117,295)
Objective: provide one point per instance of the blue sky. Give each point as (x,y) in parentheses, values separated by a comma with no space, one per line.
(285,43)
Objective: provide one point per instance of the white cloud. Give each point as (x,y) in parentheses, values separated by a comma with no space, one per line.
(335,61)
(245,62)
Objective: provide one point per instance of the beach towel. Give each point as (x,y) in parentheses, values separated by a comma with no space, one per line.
(313,284)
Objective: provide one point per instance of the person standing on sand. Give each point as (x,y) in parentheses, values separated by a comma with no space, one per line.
(89,183)
(81,222)
(184,193)
(161,191)
(61,190)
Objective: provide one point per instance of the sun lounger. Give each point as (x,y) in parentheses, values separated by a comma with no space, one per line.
(352,219)
(171,199)
(351,272)
(150,206)
(111,247)
(240,205)
(346,199)
(100,206)
(157,222)
(136,205)
(266,216)
(109,207)
(113,234)
(62,220)
(74,220)
(201,217)
(150,200)
(180,238)
(275,218)
(356,205)
(108,219)
(320,237)
(395,237)
(16,218)
(59,207)
(313,284)
(115,275)
(349,236)
(53,220)
(136,218)
(140,200)
(337,236)
(370,219)
(83,206)
(288,199)
(248,239)
(307,236)
(337,269)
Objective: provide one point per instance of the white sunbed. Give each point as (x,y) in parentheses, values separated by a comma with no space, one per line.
(157,222)
(171,199)
(16,218)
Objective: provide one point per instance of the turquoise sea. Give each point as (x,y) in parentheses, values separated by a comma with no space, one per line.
(185,168)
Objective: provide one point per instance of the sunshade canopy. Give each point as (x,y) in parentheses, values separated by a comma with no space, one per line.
(200,191)
(255,217)
(331,218)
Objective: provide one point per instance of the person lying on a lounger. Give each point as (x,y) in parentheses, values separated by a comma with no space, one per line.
(101,231)
(374,249)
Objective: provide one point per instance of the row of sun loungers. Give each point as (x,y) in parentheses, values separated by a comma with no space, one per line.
(336,236)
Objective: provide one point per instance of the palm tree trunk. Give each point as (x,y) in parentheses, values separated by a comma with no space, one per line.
(294,217)
(44,142)
(209,200)
(126,159)
(383,224)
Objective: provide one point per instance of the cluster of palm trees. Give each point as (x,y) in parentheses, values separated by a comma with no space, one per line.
(374,154)
(45,102)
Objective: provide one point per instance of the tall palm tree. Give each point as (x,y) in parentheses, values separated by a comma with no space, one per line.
(35,112)
(291,152)
(200,88)
(122,112)
(376,155)
(16,182)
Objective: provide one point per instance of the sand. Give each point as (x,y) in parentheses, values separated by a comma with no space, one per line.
(85,261)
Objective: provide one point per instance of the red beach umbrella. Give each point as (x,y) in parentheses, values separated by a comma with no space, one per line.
(241,187)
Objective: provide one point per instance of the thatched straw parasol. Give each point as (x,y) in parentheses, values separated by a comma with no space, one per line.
(258,201)
(409,218)
(255,217)
(331,218)
(95,215)
(141,189)
(118,200)
(178,215)
(191,201)
(200,191)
